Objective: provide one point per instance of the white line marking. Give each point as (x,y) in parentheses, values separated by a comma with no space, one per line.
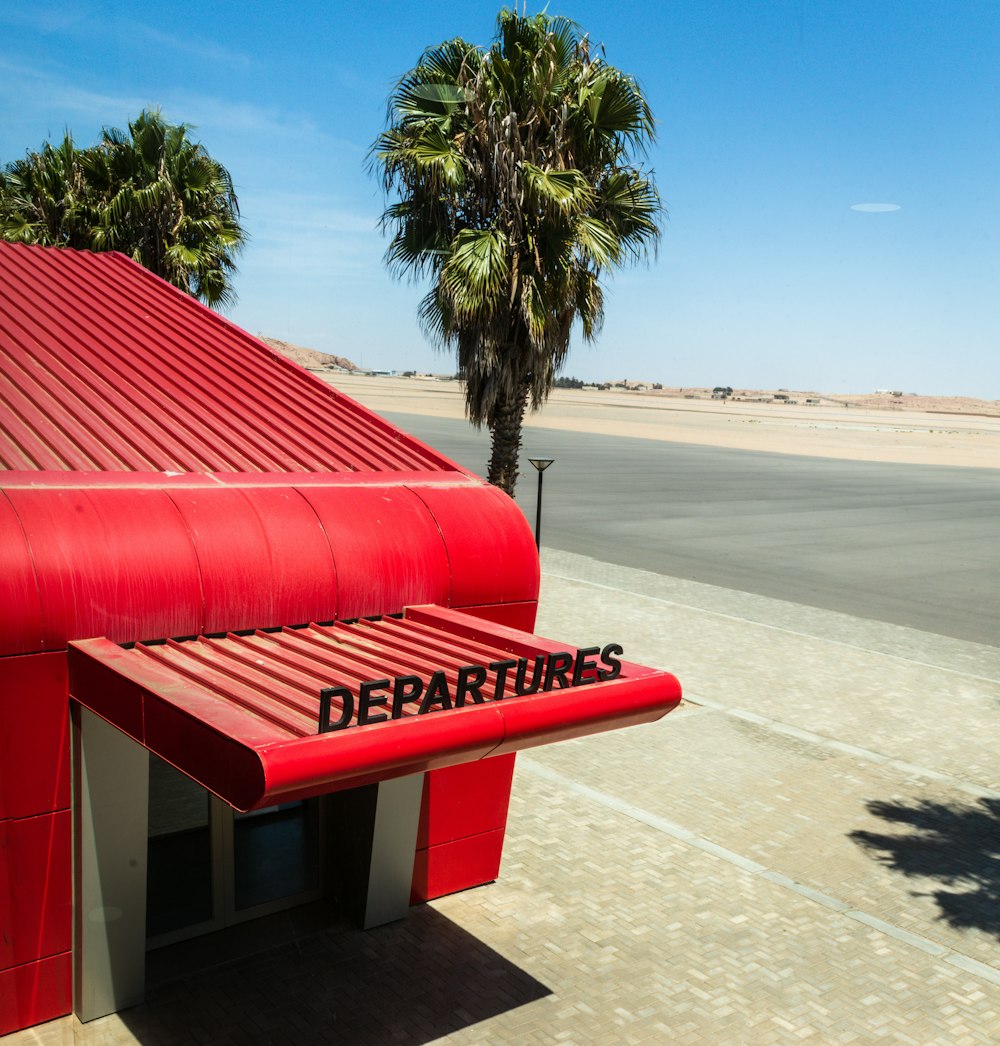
(685,835)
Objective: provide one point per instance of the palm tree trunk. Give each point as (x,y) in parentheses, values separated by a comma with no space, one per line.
(506,443)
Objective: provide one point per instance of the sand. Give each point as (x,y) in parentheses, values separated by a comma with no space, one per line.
(863,433)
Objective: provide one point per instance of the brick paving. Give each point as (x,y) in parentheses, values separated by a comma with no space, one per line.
(807,850)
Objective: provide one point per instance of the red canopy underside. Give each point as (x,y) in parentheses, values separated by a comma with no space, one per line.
(240,713)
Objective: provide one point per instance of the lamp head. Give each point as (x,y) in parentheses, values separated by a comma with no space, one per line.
(541,463)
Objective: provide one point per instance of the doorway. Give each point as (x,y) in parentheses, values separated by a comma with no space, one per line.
(209,867)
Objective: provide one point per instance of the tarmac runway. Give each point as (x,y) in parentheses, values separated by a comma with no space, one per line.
(912,545)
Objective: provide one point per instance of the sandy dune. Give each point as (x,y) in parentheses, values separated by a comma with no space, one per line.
(859,433)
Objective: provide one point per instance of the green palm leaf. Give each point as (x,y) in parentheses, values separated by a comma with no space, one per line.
(149,191)
(512,186)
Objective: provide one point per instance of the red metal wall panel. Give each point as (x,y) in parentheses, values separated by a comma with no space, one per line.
(464,800)
(34,735)
(263,557)
(36,992)
(450,867)
(386,546)
(35,888)
(115,563)
(20,610)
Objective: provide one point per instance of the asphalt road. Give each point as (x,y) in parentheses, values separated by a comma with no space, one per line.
(909,544)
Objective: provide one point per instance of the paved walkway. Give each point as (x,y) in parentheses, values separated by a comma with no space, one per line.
(807,850)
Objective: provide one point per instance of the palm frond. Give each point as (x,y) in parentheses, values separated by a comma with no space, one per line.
(568,190)
(510,183)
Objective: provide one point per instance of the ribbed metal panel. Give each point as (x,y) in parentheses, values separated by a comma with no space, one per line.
(241,713)
(274,678)
(105,367)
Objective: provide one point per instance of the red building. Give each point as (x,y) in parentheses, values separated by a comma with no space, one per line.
(257,645)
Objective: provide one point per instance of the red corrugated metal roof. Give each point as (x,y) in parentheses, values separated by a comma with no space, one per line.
(240,714)
(105,367)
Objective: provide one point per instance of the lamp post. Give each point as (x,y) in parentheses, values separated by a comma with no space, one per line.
(541,464)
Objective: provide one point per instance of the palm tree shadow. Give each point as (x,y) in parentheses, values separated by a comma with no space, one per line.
(956,844)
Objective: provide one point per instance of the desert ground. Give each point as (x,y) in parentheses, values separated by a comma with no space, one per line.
(913,430)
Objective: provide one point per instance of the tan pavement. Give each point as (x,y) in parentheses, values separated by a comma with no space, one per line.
(807,850)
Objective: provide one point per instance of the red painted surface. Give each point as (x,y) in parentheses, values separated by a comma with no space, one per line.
(481,556)
(34,735)
(109,562)
(468,799)
(464,800)
(35,992)
(251,575)
(106,367)
(240,713)
(513,615)
(457,865)
(20,610)
(386,545)
(136,557)
(35,888)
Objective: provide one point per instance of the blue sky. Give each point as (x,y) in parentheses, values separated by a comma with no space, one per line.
(774,118)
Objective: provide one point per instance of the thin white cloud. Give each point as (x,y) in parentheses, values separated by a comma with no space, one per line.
(297,212)
(242,117)
(310,242)
(208,50)
(35,87)
(314,238)
(64,19)
(875,208)
(81,23)
(43,90)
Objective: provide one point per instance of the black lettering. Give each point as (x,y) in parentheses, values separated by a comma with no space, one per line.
(470,682)
(405,688)
(501,668)
(537,675)
(582,665)
(613,671)
(436,694)
(326,697)
(556,669)
(367,698)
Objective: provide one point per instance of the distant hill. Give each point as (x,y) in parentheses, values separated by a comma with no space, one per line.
(312,359)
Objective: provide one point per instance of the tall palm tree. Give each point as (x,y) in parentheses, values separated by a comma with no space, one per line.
(513,187)
(170,206)
(150,192)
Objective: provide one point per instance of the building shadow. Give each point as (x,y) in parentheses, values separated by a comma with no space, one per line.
(957,844)
(407,983)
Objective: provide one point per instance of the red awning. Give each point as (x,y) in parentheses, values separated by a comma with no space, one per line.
(241,714)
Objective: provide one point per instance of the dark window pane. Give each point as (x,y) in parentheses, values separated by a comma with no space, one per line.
(276,853)
(179,869)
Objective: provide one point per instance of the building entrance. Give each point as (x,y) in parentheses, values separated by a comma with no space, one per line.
(209,867)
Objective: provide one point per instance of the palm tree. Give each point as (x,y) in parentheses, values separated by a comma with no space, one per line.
(169,206)
(151,193)
(512,187)
(46,199)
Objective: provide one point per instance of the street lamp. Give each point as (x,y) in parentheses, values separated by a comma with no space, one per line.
(541,464)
